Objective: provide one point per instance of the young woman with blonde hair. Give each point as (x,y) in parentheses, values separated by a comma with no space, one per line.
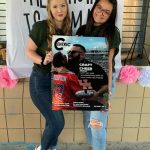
(38,50)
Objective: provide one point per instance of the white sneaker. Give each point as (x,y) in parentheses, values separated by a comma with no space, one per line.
(38,148)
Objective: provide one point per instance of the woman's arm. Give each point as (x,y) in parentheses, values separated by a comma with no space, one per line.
(110,71)
(32,54)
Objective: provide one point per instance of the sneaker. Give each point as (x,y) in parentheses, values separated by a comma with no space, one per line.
(38,148)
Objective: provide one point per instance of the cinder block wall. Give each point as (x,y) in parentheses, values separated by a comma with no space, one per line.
(128,120)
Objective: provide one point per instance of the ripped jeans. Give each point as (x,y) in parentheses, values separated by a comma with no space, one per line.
(96,137)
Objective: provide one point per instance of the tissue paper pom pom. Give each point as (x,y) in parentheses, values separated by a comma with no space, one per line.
(5,80)
(144,77)
(128,74)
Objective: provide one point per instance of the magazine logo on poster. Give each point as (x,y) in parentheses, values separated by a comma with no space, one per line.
(60,44)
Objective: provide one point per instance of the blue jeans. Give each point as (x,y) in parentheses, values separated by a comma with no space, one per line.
(97,136)
(40,91)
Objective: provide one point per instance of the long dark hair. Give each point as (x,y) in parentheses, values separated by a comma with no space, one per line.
(108,28)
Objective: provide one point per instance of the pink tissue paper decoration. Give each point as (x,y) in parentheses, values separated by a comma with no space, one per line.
(5,80)
(128,74)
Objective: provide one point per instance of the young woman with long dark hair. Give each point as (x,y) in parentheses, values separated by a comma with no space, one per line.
(101,23)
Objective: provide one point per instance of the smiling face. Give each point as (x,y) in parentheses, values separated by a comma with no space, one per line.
(102,12)
(58,10)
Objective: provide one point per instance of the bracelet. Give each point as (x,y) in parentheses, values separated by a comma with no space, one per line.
(42,61)
(109,93)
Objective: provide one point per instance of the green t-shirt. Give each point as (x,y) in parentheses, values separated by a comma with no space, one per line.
(115,45)
(39,34)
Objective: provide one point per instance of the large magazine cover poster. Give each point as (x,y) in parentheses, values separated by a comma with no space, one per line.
(80,73)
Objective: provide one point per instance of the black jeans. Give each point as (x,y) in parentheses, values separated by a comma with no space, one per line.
(40,91)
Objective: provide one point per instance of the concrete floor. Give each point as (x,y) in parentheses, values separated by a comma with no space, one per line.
(110,146)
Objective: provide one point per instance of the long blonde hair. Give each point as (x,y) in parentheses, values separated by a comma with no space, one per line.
(66,26)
